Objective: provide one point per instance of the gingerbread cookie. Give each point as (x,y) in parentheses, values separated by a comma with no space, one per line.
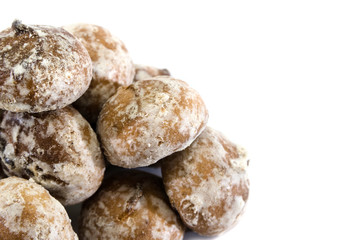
(42,68)
(150,120)
(207,183)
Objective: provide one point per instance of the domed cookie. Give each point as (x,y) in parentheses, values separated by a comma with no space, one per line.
(112,67)
(42,68)
(150,120)
(144,72)
(130,206)
(57,149)
(207,183)
(27,211)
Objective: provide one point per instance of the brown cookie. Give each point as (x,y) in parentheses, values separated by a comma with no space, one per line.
(27,211)
(112,67)
(57,149)
(150,120)
(42,68)
(130,206)
(207,183)
(145,72)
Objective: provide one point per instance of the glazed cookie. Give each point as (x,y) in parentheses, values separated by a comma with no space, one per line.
(130,206)
(57,149)
(112,67)
(207,183)
(144,72)
(27,211)
(42,68)
(149,120)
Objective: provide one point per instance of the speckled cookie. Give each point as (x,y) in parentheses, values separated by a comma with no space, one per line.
(145,72)
(42,68)
(149,120)
(27,211)
(57,149)
(207,183)
(130,206)
(112,67)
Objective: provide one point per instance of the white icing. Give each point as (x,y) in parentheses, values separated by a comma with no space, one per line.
(18,69)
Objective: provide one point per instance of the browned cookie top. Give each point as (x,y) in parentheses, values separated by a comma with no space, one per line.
(130,206)
(42,68)
(149,120)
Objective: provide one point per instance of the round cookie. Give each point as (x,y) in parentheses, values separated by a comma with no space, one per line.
(145,72)
(207,183)
(27,211)
(57,149)
(130,206)
(42,68)
(150,120)
(112,67)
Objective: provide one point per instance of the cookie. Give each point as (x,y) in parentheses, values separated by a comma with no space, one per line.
(42,68)
(150,120)
(28,211)
(130,206)
(57,149)
(207,183)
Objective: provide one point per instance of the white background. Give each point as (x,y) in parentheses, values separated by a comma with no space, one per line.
(281,78)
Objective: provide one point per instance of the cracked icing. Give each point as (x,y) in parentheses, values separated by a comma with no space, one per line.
(41,68)
(145,72)
(112,67)
(57,149)
(149,120)
(130,206)
(207,183)
(27,211)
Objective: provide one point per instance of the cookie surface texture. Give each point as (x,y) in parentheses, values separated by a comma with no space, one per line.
(208,183)
(57,149)
(130,206)
(42,68)
(28,211)
(150,120)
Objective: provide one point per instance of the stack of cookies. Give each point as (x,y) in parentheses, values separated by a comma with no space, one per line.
(73,104)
